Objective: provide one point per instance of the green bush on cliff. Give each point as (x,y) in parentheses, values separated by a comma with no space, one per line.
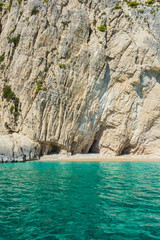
(102,28)
(34,11)
(16,104)
(141,11)
(8,94)
(11,109)
(117,6)
(14,108)
(61,65)
(14,40)
(9,7)
(1,5)
(39,86)
(133,4)
(149,2)
(2,57)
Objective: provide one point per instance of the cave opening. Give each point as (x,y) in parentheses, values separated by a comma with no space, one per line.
(125,151)
(94,147)
(48,149)
(54,149)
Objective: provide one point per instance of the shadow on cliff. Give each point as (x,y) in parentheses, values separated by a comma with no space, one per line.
(146,82)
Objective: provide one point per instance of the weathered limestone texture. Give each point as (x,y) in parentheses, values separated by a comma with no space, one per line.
(79,76)
(15,147)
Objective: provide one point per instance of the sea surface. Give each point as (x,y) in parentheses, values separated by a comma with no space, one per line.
(80,200)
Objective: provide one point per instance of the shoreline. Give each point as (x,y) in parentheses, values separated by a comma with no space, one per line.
(98,158)
(91,158)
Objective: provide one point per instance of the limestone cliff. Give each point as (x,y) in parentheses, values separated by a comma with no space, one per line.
(79,76)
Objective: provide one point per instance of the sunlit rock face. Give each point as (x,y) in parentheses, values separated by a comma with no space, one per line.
(79,76)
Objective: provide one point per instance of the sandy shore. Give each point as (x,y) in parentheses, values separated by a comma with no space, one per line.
(99,158)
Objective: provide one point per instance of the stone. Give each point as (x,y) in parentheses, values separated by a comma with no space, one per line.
(17,148)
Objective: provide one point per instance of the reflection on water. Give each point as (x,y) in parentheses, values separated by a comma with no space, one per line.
(116,200)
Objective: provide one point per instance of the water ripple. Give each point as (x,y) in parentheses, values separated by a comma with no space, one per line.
(80,201)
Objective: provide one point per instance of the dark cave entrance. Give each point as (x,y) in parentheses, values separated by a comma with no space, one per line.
(47,149)
(125,151)
(94,147)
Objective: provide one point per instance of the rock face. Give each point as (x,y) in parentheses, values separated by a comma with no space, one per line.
(15,147)
(79,76)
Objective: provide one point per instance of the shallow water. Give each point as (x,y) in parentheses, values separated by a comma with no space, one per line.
(74,200)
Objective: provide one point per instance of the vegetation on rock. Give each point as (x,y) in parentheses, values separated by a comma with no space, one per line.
(14,40)
(2,57)
(7,93)
(133,4)
(34,11)
(102,28)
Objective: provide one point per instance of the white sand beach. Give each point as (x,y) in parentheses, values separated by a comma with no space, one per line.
(99,158)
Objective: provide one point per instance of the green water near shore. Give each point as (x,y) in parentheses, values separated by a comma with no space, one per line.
(75,200)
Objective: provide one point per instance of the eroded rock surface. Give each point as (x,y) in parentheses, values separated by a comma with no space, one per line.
(75,87)
(15,147)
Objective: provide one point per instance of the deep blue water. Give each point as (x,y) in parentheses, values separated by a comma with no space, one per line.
(114,200)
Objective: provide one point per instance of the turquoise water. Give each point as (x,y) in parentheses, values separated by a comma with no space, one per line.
(116,200)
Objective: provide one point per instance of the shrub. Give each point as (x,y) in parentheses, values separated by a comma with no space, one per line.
(65,23)
(1,5)
(9,7)
(149,2)
(34,11)
(62,65)
(141,11)
(117,6)
(8,94)
(20,15)
(16,103)
(133,4)
(102,28)
(11,109)
(39,86)
(14,40)
(2,57)
(15,107)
